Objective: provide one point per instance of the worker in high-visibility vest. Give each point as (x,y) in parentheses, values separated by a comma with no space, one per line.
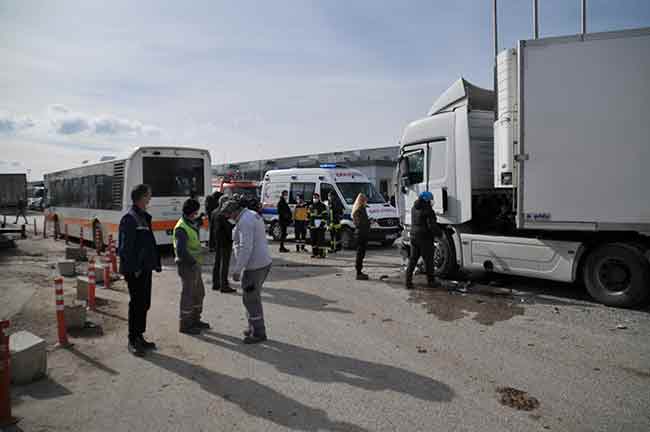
(189,258)
(335,212)
(300,219)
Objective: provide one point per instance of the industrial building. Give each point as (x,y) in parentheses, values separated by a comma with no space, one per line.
(377,164)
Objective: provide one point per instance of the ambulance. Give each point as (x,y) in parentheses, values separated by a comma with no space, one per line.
(346,183)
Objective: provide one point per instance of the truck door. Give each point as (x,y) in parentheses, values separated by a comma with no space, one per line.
(412,178)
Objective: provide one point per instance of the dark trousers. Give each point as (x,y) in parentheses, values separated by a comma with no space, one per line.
(300,228)
(221,265)
(21,212)
(283,234)
(317,239)
(140,294)
(362,245)
(421,248)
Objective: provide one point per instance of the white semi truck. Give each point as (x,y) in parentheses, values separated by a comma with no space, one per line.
(558,187)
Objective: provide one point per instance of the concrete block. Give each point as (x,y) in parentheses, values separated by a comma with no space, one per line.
(66,267)
(99,273)
(75,315)
(82,288)
(75,253)
(28,357)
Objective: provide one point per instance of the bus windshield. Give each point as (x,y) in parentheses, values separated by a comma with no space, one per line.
(173,176)
(351,190)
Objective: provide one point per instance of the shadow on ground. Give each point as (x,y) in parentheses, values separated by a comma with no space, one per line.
(330,368)
(300,300)
(254,398)
(43,389)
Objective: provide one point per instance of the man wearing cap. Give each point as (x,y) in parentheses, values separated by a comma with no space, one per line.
(424,229)
(253,259)
(188,256)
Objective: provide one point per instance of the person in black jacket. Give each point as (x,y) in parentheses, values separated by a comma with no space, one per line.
(424,229)
(335,216)
(138,258)
(221,242)
(362,223)
(285,216)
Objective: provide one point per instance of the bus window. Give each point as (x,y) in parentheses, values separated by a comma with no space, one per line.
(173,177)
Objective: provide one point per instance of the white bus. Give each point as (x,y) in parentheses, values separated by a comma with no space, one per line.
(95,195)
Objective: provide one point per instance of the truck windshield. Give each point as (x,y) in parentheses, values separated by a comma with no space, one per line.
(351,190)
(173,176)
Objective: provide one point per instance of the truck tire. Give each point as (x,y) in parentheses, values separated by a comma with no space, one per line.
(348,241)
(618,274)
(444,257)
(274,230)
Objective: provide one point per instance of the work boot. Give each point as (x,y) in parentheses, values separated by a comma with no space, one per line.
(188,328)
(253,338)
(284,249)
(362,276)
(227,290)
(136,348)
(149,346)
(201,325)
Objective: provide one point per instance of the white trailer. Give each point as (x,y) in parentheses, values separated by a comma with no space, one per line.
(558,186)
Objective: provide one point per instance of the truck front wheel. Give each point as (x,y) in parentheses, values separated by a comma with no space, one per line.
(618,274)
(347,238)
(444,257)
(275,230)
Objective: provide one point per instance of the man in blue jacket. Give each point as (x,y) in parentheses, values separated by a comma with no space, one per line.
(138,258)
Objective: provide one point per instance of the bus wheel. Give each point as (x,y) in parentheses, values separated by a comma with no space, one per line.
(618,274)
(444,257)
(98,236)
(347,239)
(275,230)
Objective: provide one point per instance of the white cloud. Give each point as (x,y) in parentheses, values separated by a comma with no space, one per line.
(68,122)
(10,123)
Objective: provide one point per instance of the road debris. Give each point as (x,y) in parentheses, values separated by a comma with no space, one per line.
(421,349)
(517,399)
(621,327)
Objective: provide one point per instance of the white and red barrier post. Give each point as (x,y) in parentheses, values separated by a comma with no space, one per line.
(92,283)
(107,272)
(6,418)
(60,312)
(113,253)
(98,240)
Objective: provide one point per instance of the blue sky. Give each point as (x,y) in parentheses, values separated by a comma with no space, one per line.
(247,79)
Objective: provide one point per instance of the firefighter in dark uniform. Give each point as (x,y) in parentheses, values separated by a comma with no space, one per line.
(284,216)
(424,229)
(335,214)
(317,226)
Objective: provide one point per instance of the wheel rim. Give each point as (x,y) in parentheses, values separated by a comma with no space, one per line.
(440,255)
(276,231)
(614,275)
(346,239)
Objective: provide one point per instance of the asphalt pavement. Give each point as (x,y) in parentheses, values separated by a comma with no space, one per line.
(347,355)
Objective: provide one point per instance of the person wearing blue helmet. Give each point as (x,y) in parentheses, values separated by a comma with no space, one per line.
(424,228)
